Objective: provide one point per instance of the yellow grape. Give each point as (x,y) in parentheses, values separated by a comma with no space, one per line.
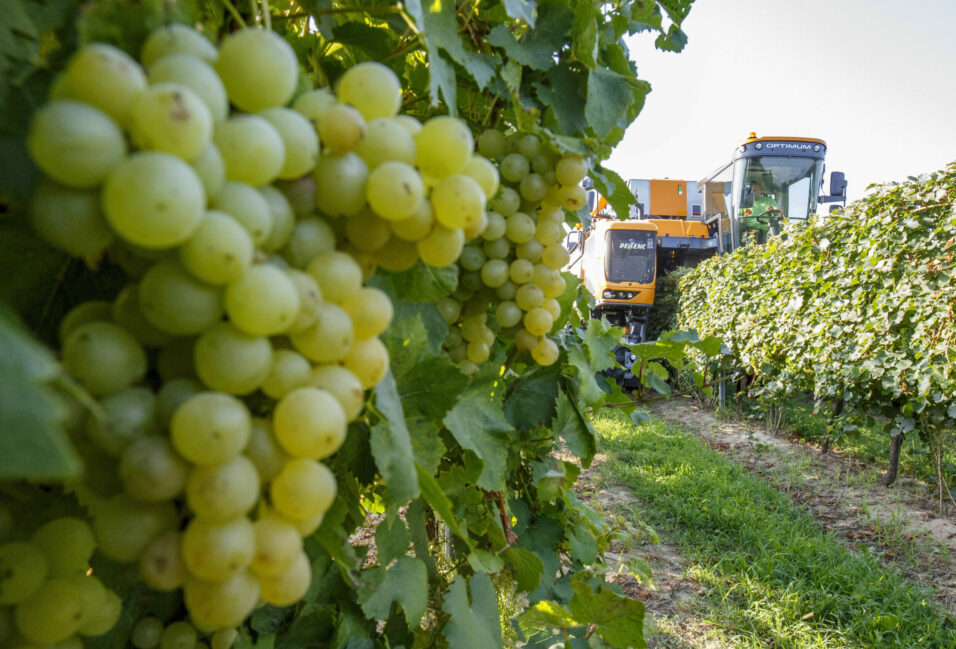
(218,551)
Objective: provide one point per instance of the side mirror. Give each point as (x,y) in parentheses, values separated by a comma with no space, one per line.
(837,183)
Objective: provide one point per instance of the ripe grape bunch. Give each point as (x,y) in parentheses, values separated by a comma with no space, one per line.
(511,271)
(247,220)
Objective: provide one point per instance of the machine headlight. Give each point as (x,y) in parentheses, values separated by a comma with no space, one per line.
(610,295)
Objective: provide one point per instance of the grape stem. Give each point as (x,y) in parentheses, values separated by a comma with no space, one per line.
(505,523)
(266,14)
(231,8)
(371,11)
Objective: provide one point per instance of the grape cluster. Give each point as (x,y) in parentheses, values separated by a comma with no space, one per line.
(228,368)
(511,271)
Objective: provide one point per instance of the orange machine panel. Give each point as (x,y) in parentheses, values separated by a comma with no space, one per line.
(668,228)
(668,198)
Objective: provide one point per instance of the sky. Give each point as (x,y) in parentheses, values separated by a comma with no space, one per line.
(875,79)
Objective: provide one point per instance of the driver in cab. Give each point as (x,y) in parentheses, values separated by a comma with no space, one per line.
(758,215)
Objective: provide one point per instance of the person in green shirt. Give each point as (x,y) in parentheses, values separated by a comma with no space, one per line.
(758,216)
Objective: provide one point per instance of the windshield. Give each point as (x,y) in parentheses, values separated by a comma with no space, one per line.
(769,189)
(630,256)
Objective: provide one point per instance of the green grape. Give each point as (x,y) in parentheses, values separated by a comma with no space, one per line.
(219,251)
(341,128)
(67,545)
(217,605)
(303,489)
(530,250)
(127,416)
(23,570)
(92,596)
(343,385)
(124,526)
(478,351)
(247,206)
(300,194)
(472,257)
(70,219)
(529,146)
(507,290)
(278,544)
(459,352)
(386,139)
(263,301)
(396,256)
(127,314)
(368,360)
(313,103)
(467,367)
(371,311)
(458,201)
(105,77)
(484,173)
(223,491)
(556,286)
(175,360)
(453,338)
(176,302)
(259,69)
(252,149)
(442,246)
(533,188)
(151,470)
(264,450)
(178,635)
(506,202)
(544,277)
(553,196)
(367,231)
(283,218)
(337,274)
(211,428)
(310,238)
(497,249)
(551,213)
(103,358)
(538,321)
(514,167)
(224,638)
(573,198)
(521,271)
(443,146)
(520,228)
(175,39)
(340,180)
(299,138)
(289,587)
(411,124)
(570,170)
(154,200)
(470,280)
(542,163)
(449,309)
(52,614)
(555,256)
(310,300)
(372,88)
(508,314)
(329,339)
(492,144)
(472,326)
(161,565)
(309,423)
(83,313)
(473,229)
(417,226)
(289,371)
(170,117)
(529,297)
(218,551)
(553,307)
(197,75)
(146,632)
(525,341)
(211,169)
(75,144)
(105,617)
(547,232)
(494,273)
(545,352)
(394,190)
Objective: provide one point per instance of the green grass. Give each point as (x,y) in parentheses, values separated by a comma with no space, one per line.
(775,577)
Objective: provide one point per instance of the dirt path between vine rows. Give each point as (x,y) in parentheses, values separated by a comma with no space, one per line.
(900,524)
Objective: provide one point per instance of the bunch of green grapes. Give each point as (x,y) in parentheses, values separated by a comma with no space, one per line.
(150,632)
(247,221)
(48,595)
(510,275)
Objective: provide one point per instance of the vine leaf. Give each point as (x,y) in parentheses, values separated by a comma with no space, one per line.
(574,429)
(478,423)
(475,624)
(404,582)
(392,446)
(619,620)
(521,10)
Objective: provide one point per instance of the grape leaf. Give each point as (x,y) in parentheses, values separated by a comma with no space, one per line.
(391,538)
(564,92)
(478,423)
(404,582)
(432,494)
(422,283)
(391,445)
(613,187)
(528,568)
(619,620)
(474,625)
(521,10)
(609,98)
(574,429)
(532,400)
